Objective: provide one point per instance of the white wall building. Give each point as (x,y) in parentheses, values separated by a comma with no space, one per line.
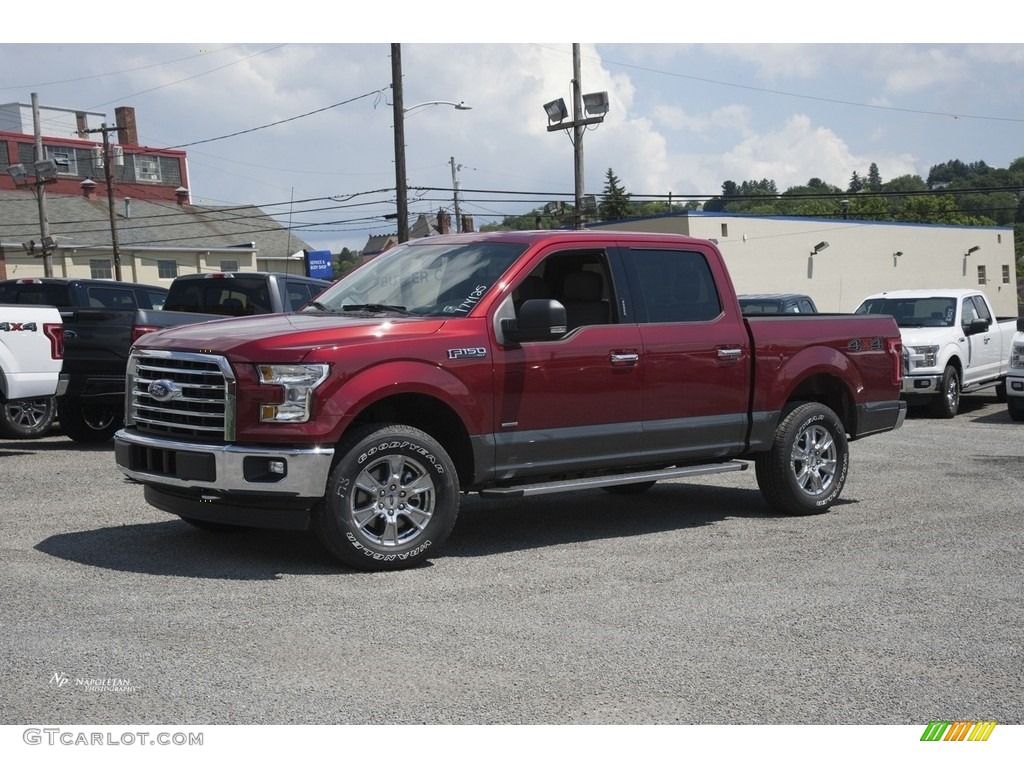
(776,254)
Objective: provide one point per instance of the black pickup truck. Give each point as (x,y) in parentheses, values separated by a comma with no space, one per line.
(102,319)
(237,294)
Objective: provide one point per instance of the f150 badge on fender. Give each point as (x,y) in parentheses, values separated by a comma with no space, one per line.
(459,354)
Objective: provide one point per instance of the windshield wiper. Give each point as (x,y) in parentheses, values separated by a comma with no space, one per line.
(376,308)
(318,305)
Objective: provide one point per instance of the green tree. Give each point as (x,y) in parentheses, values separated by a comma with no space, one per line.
(874,180)
(344,263)
(615,202)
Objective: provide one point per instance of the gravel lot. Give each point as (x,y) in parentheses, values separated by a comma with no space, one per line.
(691,604)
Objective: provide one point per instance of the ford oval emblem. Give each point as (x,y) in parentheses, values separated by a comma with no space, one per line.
(163,390)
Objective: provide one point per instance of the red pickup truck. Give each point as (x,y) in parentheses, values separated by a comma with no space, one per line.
(506,364)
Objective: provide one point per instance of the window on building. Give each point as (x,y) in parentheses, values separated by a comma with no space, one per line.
(167,268)
(100,269)
(229,265)
(1006,274)
(981,274)
(147,168)
(725,230)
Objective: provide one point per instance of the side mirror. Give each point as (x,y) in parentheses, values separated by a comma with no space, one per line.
(977,326)
(537,320)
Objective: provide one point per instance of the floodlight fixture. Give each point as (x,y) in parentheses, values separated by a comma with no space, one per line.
(557,111)
(819,247)
(972,249)
(19,174)
(46,170)
(596,103)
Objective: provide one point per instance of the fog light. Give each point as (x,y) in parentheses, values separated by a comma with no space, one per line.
(276,466)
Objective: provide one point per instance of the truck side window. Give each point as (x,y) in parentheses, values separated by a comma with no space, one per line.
(579,280)
(677,286)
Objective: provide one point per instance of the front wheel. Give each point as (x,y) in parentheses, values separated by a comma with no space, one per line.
(947,402)
(391,501)
(86,421)
(26,418)
(805,470)
(1015,407)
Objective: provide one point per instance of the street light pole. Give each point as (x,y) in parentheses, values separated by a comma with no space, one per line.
(44,221)
(401,189)
(577,129)
(595,104)
(455,196)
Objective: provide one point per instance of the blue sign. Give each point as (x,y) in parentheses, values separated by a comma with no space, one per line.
(318,264)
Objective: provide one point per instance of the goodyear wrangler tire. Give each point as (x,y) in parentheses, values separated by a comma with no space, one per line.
(391,500)
(805,470)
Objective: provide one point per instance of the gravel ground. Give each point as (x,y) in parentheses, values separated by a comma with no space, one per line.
(690,604)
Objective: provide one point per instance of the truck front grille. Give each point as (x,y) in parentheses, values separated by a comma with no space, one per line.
(181,395)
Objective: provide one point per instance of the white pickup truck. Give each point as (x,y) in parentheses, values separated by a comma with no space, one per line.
(1015,375)
(952,343)
(31,358)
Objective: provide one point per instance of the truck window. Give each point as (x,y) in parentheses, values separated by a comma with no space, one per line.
(579,280)
(676,286)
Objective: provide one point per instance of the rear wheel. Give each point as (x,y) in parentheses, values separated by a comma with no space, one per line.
(391,501)
(26,418)
(805,470)
(947,402)
(87,421)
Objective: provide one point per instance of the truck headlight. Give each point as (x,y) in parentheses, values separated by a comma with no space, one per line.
(1017,356)
(297,383)
(923,357)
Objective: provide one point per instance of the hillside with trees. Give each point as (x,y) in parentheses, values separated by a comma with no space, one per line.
(958,193)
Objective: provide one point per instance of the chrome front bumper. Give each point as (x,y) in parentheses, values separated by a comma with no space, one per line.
(224,469)
(918,384)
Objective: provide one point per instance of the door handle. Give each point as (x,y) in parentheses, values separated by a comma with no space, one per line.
(625,358)
(729,353)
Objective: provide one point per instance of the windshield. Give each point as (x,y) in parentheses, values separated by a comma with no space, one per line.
(930,312)
(421,279)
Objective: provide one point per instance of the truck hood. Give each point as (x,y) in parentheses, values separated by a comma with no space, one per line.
(283,338)
(921,337)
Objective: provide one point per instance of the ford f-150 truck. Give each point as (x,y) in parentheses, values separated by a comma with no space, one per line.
(507,364)
(31,358)
(1015,375)
(952,343)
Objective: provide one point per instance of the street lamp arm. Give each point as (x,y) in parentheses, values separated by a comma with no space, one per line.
(460,105)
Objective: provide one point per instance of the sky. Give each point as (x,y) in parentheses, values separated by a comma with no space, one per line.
(301,123)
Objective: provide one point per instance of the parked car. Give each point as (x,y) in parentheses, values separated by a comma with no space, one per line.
(777,304)
(509,364)
(31,358)
(237,294)
(101,320)
(952,343)
(1015,375)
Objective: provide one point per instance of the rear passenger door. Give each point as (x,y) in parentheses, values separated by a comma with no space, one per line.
(695,355)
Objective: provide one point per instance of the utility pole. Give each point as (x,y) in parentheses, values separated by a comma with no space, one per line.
(401,191)
(109,174)
(577,130)
(455,195)
(44,222)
